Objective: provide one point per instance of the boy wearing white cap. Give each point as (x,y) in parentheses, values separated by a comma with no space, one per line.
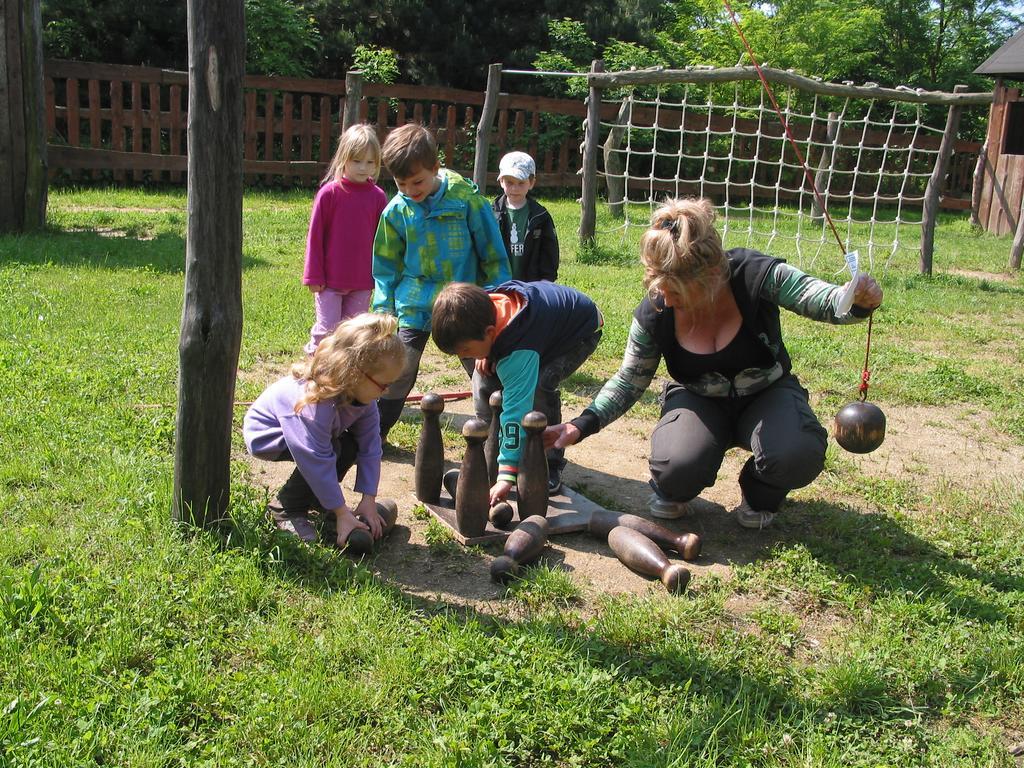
(526,226)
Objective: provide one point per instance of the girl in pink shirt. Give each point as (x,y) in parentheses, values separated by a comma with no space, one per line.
(339,249)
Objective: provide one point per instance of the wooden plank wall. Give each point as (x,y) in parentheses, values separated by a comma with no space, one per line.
(1003,182)
(128,124)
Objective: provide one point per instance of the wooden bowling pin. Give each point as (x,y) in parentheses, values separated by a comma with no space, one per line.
(360,541)
(532,483)
(501,514)
(472,491)
(430,450)
(493,443)
(640,554)
(688,545)
(450,481)
(523,545)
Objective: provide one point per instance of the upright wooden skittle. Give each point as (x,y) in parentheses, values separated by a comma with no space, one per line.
(532,482)
(472,491)
(493,444)
(430,450)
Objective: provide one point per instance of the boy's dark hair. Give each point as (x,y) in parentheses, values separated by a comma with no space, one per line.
(408,149)
(462,312)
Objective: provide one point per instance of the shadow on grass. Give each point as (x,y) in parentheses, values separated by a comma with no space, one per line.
(115,249)
(878,552)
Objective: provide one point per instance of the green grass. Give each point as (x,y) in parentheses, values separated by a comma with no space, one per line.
(886,626)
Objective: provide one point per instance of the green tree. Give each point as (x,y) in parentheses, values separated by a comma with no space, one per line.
(281,39)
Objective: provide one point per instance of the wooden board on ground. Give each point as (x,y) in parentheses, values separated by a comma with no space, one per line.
(568,512)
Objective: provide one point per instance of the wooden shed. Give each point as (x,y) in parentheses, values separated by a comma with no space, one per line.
(1003,185)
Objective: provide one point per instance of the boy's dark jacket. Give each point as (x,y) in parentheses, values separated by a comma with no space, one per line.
(540,255)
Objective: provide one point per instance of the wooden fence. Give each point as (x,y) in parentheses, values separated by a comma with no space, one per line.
(129,123)
(125,123)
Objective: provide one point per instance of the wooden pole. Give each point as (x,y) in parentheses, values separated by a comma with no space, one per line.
(1018,240)
(211,321)
(22,118)
(823,177)
(353,95)
(483,128)
(934,189)
(978,184)
(658,76)
(614,168)
(591,135)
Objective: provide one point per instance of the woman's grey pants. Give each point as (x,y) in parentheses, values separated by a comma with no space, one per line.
(776,424)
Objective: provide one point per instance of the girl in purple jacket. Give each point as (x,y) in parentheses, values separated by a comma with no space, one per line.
(324,418)
(339,249)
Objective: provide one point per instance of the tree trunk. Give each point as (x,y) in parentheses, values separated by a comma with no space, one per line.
(211,323)
(22,124)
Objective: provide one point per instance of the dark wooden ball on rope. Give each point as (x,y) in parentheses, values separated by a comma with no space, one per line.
(860,427)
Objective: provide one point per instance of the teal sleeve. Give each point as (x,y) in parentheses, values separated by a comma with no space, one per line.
(798,292)
(487,243)
(518,375)
(639,364)
(388,264)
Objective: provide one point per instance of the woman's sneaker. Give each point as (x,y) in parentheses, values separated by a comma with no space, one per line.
(753,518)
(665,509)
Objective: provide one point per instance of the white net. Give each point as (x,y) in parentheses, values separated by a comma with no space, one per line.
(870,160)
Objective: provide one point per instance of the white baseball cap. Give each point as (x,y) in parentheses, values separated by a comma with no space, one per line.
(518,165)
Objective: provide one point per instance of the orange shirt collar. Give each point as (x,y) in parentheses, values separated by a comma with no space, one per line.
(506,305)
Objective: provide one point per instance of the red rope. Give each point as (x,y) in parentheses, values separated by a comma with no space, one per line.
(866,373)
(785,126)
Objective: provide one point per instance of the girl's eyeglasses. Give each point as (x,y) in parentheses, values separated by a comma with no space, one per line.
(380,386)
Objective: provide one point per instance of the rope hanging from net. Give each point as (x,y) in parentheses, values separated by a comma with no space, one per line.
(866,372)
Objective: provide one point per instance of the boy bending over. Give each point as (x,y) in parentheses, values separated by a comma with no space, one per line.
(531,336)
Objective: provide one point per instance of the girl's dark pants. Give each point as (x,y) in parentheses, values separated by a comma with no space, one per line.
(296,497)
(776,424)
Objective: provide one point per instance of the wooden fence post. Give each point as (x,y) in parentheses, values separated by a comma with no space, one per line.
(934,189)
(823,178)
(591,136)
(1018,240)
(614,168)
(977,184)
(211,321)
(22,117)
(483,128)
(353,95)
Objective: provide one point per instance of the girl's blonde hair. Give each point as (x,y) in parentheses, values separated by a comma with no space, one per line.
(682,249)
(364,344)
(353,142)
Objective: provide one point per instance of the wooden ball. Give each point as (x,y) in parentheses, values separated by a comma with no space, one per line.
(495,399)
(860,427)
(501,514)
(432,403)
(450,481)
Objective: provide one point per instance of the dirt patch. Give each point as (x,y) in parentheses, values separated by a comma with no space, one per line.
(999,277)
(923,445)
(951,444)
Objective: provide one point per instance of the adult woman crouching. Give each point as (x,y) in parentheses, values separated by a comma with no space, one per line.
(713,316)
